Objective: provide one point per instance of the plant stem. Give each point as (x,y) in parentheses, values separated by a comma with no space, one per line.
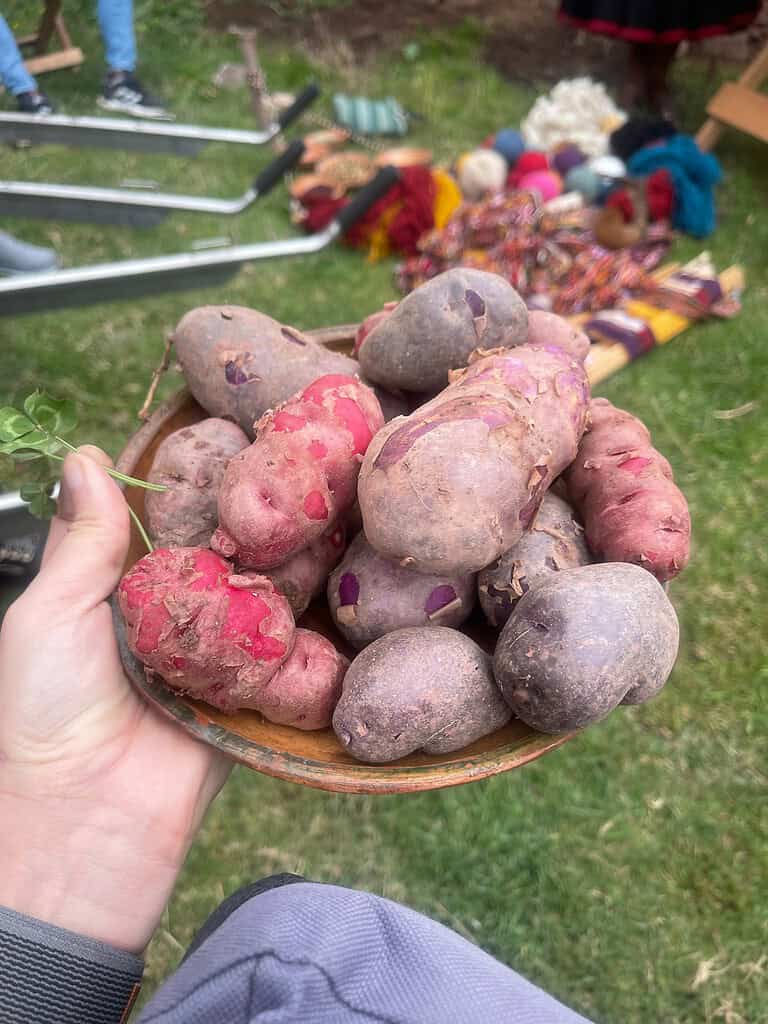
(132,480)
(141,530)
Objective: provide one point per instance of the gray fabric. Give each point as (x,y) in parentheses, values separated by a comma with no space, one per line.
(52,976)
(319,954)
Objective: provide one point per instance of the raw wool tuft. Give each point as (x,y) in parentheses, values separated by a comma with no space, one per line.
(578,111)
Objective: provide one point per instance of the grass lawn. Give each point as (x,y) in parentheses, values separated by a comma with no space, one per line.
(626,872)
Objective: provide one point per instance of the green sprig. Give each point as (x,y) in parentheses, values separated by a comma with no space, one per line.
(34,436)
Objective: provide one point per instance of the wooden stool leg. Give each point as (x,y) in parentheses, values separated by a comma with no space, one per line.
(47,25)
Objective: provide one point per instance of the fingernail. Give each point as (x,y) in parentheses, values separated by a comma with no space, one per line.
(72,482)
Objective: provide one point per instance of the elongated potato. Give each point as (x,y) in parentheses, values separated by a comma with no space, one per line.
(370,595)
(422,688)
(626,494)
(452,486)
(299,477)
(584,640)
(190,463)
(435,329)
(239,363)
(554,542)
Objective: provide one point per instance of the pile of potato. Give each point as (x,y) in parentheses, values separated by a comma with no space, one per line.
(505,494)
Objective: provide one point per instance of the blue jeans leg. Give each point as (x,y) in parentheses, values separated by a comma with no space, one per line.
(14,75)
(116,24)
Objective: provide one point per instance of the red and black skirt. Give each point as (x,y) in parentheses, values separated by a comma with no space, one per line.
(643,21)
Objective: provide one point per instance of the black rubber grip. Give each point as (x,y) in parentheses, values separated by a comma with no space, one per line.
(272,173)
(366,197)
(305,99)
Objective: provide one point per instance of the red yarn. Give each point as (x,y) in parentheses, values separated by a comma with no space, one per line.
(414,193)
(660,192)
(529,161)
(622,200)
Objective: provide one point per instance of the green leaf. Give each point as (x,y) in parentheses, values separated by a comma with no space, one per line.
(34,441)
(7,468)
(13,424)
(57,415)
(38,496)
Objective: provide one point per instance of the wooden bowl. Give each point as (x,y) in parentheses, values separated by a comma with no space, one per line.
(312,758)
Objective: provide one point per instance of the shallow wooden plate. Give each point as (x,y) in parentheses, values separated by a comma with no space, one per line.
(312,758)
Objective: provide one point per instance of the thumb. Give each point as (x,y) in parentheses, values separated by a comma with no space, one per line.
(92,533)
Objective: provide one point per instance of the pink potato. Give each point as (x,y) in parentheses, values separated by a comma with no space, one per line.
(299,477)
(190,463)
(306,688)
(624,490)
(452,486)
(370,595)
(304,576)
(204,630)
(550,329)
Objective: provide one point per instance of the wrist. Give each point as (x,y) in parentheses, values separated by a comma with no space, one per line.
(88,870)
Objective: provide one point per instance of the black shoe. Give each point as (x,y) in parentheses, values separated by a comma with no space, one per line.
(124,92)
(34,103)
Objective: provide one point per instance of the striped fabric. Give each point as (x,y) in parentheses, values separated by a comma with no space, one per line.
(370,117)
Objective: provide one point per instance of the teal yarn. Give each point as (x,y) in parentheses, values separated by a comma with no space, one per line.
(584,180)
(509,142)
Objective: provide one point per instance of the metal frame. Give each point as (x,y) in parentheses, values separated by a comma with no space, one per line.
(132,207)
(104,282)
(145,136)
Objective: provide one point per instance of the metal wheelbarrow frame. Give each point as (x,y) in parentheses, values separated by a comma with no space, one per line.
(133,207)
(144,136)
(125,279)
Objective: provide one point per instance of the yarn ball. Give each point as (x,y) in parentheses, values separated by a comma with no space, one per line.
(547,183)
(608,166)
(509,142)
(480,172)
(529,161)
(584,180)
(567,157)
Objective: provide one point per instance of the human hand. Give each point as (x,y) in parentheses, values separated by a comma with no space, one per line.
(100,796)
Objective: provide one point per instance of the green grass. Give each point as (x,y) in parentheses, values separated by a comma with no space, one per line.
(627,871)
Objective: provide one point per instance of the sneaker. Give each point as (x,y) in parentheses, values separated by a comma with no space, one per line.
(22,258)
(124,92)
(35,102)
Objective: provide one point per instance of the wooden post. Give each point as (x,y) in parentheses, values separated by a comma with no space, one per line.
(256,79)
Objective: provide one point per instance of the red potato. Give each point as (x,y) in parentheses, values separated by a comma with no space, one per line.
(436,328)
(550,329)
(450,487)
(190,462)
(299,476)
(624,490)
(239,363)
(303,577)
(306,688)
(206,631)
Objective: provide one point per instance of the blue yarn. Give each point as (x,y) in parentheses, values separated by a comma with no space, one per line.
(584,180)
(694,175)
(509,142)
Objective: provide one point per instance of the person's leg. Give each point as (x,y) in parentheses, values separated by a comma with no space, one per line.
(321,954)
(14,75)
(660,59)
(116,24)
